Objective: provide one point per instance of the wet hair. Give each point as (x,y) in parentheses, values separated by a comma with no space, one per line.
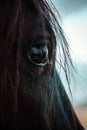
(32,95)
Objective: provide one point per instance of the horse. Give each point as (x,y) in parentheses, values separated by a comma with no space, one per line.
(32,95)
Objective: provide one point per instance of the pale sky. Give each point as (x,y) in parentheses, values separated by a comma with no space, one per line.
(74,22)
(75,27)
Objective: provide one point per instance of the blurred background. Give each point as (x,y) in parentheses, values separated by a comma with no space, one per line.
(74,23)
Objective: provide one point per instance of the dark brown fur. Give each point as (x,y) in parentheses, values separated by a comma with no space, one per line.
(32,97)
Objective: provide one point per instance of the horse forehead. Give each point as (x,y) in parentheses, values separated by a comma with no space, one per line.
(30,23)
(34,27)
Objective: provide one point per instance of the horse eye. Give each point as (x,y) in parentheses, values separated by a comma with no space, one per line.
(39,55)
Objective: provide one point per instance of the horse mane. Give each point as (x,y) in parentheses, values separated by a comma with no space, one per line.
(16,73)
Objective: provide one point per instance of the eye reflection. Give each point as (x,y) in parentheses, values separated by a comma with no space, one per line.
(39,55)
